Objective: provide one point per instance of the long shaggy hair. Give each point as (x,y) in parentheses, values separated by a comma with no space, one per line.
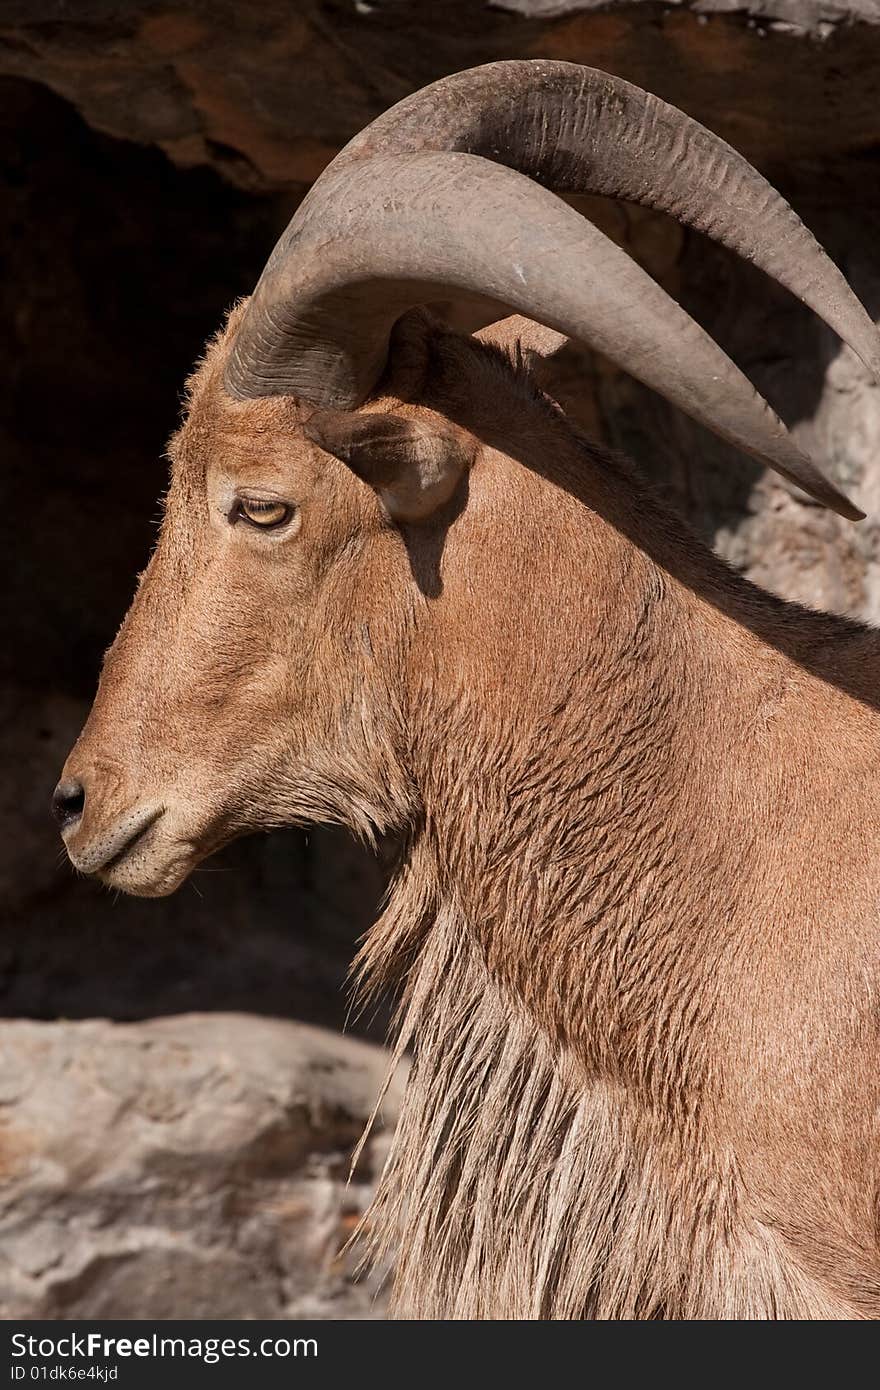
(515,1188)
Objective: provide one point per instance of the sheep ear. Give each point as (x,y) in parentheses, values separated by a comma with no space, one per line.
(413,464)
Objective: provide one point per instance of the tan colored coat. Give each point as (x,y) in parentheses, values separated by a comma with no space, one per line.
(638,802)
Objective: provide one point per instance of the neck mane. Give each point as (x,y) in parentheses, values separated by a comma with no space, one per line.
(579,922)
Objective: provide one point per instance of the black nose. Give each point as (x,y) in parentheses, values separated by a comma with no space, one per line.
(68,802)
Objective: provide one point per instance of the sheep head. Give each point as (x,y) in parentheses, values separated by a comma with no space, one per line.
(260,676)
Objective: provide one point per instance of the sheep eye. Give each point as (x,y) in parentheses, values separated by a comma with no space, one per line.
(262,513)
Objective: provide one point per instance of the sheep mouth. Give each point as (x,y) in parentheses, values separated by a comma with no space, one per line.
(108,848)
(150,865)
(155,861)
(138,856)
(136,840)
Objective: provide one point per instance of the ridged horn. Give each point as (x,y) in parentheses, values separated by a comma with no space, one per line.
(578,130)
(386,228)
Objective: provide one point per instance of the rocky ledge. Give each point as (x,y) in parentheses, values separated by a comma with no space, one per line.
(188,1167)
(267,93)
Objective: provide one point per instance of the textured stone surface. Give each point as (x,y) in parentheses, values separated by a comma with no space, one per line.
(269,92)
(192,1167)
(766,528)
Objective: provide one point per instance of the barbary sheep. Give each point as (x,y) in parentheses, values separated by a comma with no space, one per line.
(634,923)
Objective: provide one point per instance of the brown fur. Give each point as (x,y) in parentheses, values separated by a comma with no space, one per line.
(635,917)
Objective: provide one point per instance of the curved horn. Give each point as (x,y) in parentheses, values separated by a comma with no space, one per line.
(378,236)
(577,130)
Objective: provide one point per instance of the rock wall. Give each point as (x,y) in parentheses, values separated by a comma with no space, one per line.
(267,93)
(188,1167)
(150,153)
